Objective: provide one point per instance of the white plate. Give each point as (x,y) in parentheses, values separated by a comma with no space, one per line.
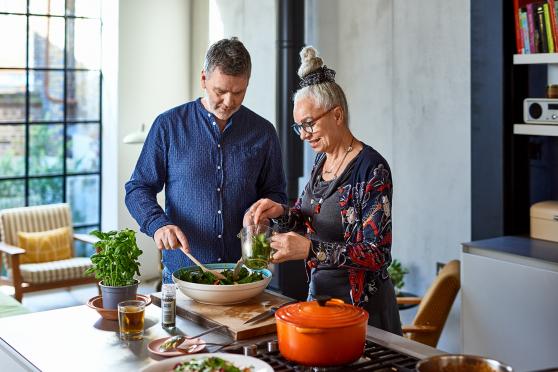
(239,361)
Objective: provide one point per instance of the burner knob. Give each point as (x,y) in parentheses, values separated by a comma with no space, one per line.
(251,350)
(272,346)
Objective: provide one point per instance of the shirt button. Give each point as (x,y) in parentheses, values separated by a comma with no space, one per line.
(218,189)
(219,211)
(219,145)
(219,259)
(218,167)
(209,114)
(213,123)
(219,236)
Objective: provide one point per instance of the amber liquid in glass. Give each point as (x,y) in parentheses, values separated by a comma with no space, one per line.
(131,320)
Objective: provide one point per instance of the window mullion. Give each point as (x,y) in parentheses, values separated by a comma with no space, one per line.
(27,108)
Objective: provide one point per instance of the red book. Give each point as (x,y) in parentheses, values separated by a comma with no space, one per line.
(518,33)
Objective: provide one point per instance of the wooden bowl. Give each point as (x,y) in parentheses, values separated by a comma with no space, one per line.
(96,303)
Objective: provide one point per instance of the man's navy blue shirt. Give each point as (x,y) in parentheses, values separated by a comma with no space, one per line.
(210,179)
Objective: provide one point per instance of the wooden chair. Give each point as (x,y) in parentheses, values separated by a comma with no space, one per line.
(434,307)
(31,277)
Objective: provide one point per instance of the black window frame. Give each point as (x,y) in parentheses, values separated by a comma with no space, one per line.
(65,122)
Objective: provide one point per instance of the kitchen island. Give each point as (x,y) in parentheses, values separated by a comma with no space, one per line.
(77,338)
(509,302)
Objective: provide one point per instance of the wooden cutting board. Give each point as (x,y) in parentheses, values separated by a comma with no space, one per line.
(233,316)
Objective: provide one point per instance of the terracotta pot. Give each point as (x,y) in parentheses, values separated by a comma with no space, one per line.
(321,333)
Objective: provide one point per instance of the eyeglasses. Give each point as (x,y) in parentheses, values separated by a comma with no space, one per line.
(308,126)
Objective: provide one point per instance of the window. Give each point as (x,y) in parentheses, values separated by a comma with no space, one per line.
(50,106)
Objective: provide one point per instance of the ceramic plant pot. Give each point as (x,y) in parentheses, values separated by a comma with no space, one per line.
(113,295)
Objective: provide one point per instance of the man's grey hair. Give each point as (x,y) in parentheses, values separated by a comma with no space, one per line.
(230,56)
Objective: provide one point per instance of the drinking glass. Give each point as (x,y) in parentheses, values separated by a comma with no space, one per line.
(131,315)
(256,248)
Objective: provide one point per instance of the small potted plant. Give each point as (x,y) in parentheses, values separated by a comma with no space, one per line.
(397,273)
(115,263)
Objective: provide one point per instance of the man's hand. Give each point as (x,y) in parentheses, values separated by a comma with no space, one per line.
(171,237)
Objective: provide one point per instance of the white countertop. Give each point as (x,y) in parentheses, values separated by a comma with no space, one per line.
(77,337)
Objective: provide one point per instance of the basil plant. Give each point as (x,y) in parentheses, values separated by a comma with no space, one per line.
(116,261)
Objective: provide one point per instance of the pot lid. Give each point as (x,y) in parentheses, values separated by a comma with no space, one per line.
(325,312)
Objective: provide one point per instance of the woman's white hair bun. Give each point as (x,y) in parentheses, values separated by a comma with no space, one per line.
(309,61)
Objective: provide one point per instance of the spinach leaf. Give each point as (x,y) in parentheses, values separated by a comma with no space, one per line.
(200,277)
(261,252)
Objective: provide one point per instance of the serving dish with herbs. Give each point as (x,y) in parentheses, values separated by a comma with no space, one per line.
(205,288)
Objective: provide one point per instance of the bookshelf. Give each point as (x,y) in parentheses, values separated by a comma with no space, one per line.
(536,130)
(535,58)
(513,164)
(551,62)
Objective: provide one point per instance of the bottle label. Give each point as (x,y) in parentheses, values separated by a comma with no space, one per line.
(169,312)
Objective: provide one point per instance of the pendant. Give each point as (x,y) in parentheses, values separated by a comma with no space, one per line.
(318,205)
(321,256)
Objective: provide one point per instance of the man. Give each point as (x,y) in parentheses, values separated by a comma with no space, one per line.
(215,158)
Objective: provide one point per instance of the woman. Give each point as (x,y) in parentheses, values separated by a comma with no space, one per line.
(343,217)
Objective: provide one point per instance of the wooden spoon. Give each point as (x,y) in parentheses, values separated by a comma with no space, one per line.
(217,274)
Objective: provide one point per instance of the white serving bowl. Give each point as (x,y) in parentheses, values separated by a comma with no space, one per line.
(221,294)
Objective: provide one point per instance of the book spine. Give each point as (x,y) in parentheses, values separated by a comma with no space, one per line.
(552,8)
(518,37)
(542,31)
(525,32)
(531,24)
(548,28)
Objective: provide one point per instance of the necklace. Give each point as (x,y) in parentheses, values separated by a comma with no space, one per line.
(317,203)
(349,149)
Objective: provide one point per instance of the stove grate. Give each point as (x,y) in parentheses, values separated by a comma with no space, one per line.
(375,358)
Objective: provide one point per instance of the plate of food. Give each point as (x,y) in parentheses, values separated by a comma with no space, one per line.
(205,288)
(214,362)
(188,346)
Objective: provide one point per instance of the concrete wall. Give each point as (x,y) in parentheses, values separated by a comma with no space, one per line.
(254,23)
(199,41)
(405,68)
(152,75)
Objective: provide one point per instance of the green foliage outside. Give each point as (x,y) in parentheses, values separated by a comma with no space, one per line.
(397,273)
(116,261)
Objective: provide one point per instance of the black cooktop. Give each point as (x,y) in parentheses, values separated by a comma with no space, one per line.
(375,358)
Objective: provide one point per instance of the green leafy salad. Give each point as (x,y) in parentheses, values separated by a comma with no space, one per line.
(198,276)
(261,251)
(212,364)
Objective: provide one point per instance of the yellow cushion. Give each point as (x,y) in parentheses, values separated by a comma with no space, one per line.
(44,246)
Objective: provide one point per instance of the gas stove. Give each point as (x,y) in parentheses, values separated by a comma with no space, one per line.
(375,358)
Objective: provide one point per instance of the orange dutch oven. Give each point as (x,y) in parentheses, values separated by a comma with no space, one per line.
(326,332)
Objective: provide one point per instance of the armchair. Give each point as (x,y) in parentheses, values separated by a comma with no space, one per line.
(434,307)
(31,277)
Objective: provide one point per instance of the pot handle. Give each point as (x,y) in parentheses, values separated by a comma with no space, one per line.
(309,330)
(323,300)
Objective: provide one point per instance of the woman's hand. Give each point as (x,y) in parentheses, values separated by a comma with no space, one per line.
(262,210)
(289,246)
